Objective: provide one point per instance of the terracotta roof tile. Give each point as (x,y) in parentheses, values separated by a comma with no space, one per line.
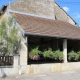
(41,26)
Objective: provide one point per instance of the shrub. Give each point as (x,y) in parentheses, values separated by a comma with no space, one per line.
(55,55)
(33,54)
(78,53)
(73,56)
(58,55)
(48,53)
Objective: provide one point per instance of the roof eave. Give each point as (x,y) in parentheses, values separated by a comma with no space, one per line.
(46,35)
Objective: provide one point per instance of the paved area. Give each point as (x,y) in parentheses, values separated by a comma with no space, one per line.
(70,75)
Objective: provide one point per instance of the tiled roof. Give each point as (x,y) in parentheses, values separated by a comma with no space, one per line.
(46,27)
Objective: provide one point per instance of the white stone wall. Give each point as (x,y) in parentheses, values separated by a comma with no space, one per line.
(62,15)
(10,70)
(23,56)
(52,67)
(23,52)
(39,7)
(71,21)
(40,68)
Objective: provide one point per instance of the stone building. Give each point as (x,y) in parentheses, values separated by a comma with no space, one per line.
(43,23)
(47,8)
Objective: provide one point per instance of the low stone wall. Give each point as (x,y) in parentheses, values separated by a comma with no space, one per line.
(48,68)
(39,68)
(10,70)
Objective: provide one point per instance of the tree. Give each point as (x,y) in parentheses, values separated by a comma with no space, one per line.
(2,35)
(9,38)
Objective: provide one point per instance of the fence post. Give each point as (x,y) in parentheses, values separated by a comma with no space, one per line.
(16,60)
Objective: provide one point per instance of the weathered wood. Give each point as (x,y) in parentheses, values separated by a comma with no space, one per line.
(6,60)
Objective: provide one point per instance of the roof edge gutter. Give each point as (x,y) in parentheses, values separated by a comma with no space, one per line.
(46,35)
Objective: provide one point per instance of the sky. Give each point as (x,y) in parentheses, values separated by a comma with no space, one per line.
(72,7)
(4,2)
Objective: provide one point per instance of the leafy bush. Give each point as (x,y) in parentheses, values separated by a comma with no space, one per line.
(34,54)
(58,55)
(55,55)
(48,53)
(73,56)
(78,53)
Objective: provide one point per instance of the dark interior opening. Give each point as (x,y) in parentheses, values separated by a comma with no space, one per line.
(44,43)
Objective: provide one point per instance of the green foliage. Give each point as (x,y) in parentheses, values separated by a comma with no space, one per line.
(45,53)
(78,53)
(55,55)
(2,31)
(5,50)
(8,37)
(73,56)
(10,20)
(58,55)
(76,56)
(13,38)
(48,53)
(34,52)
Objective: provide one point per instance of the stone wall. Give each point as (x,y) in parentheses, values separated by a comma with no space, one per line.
(60,14)
(39,7)
(21,67)
(10,70)
(52,67)
(71,21)
(23,56)
(47,8)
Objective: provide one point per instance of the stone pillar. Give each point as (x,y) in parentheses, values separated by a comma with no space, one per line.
(15,69)
(65,50)
(27,47)
(16,60)
(23,52)
(23,55)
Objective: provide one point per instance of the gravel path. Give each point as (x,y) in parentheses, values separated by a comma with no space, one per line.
(70,75)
